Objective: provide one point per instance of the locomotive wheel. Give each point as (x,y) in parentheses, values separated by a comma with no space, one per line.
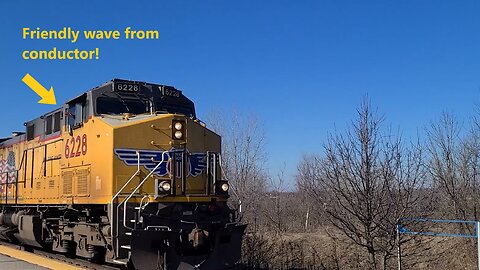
(98,255)
(70,248)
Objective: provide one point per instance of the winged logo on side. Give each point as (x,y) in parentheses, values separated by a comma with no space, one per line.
(197,163)
(149,159)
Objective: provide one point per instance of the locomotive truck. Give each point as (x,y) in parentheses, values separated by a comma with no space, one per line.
(124,173)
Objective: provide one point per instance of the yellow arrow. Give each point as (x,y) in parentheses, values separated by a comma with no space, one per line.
(48,96)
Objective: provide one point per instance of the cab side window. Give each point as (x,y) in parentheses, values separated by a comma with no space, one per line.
(30,132)
(56,121)
(77,112)
(48,124)
(52,123)
(72,114)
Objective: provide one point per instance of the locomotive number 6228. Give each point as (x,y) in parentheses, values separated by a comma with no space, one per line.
(76,146)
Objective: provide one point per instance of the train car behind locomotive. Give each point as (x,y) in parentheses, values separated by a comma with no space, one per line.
(124,173)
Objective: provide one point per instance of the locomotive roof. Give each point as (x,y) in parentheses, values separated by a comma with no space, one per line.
(117,80)
(96,92)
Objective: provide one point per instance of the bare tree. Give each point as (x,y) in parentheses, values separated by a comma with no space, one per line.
(243,159)
(275,203)
(366,180)
(308,174)
(454,166)
(284,209)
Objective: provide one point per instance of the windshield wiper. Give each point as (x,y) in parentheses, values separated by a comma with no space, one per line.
(123,101)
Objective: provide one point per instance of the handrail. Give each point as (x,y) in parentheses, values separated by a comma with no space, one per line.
(113,199)
(211,173)
(207,183)
(133,192)
(231,184)
(142,206)
(214,170)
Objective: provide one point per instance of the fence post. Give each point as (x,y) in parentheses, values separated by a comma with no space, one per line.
(477,230)
(399,251)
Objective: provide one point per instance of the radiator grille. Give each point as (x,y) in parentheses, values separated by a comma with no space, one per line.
(67,178)
(82,182)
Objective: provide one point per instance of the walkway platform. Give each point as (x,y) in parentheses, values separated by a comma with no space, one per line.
(15,259)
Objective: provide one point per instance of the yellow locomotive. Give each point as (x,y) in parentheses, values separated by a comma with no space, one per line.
(124,173)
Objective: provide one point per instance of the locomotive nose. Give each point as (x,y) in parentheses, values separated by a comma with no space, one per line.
(148,244)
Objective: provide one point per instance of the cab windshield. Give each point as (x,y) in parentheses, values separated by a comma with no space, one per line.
(164,107)
(114,103)
(129,98)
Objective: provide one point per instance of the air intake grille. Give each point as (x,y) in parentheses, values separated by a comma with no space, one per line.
(67,178)
(82,182)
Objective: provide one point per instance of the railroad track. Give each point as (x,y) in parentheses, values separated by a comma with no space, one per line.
(77,262)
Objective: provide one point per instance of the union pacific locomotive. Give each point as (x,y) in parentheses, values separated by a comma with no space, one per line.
(124,173)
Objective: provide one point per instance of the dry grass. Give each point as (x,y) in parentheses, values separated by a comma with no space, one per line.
(328,249)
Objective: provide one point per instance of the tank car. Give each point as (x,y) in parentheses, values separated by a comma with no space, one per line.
(124,173)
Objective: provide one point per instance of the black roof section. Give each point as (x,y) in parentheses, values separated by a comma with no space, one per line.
(154,91)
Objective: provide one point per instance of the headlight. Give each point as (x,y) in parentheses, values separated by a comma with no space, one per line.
(224,187)
(178,126)
(165,185)
(178,134)
(163,188)
(178,129)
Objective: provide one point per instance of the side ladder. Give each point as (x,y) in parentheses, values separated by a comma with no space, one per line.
(136,217)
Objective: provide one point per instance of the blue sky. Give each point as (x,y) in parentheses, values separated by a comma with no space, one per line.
(302,67)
